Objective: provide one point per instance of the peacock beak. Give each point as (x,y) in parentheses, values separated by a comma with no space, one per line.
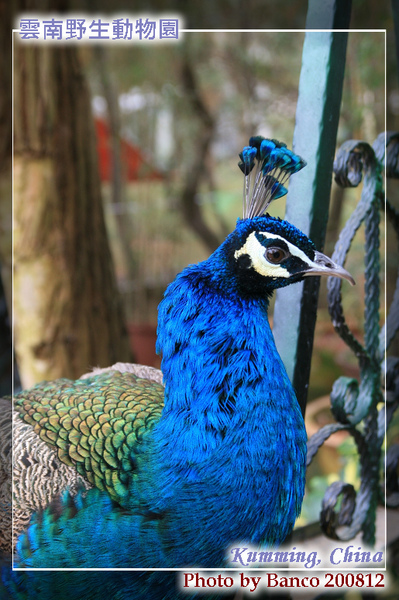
(323,265)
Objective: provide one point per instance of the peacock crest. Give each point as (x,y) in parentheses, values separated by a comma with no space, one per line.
(267,165)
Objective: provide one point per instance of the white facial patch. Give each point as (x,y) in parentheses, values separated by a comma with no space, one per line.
(254,249)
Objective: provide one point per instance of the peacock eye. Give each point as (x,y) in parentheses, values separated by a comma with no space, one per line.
(275,255)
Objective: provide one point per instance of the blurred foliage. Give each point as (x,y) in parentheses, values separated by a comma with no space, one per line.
(248,81)
(316,485)
(363,102)
(249,84)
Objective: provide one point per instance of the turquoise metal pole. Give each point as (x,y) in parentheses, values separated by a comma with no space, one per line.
(319,101)
(329,14)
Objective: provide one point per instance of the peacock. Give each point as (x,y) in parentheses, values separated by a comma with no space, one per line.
(128,467)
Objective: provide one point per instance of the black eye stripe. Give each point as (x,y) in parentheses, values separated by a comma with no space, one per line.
(272,241)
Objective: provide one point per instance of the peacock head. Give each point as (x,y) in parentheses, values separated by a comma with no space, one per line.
(265,253)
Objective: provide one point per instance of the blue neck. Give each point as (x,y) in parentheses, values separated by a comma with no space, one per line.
(220,364)
(228,454)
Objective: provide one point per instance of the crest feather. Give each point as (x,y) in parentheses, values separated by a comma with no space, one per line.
(267,165)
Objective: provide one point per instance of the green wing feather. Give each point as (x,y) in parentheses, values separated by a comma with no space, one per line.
(96,424)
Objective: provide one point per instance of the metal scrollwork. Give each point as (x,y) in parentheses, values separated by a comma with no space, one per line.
(354,404)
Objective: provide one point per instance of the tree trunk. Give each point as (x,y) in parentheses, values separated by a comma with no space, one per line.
(68,314)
